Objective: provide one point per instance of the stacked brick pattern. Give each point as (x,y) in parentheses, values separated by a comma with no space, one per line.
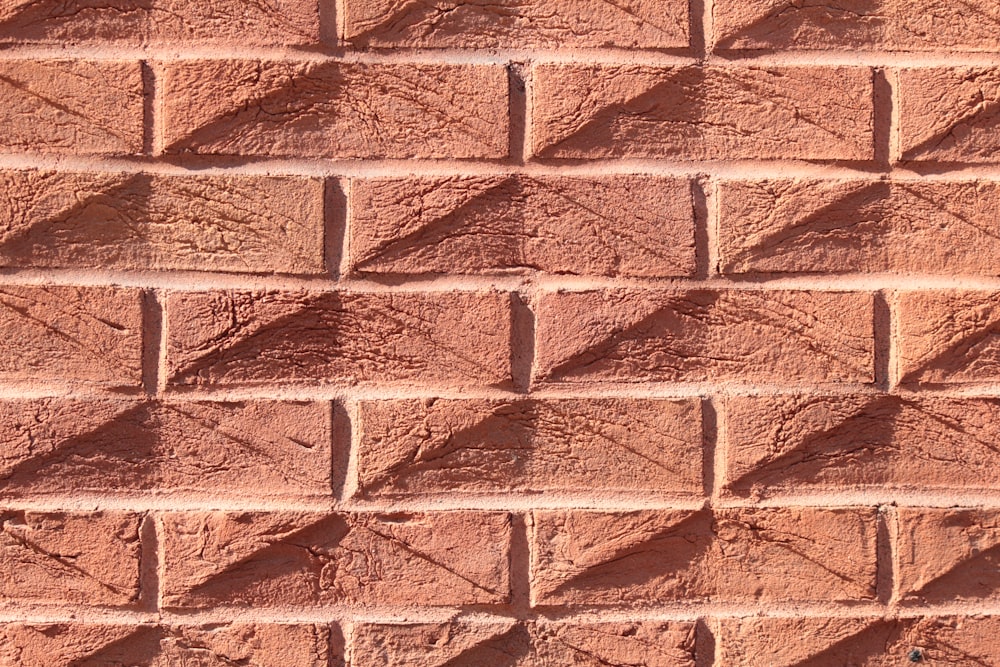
(507,332)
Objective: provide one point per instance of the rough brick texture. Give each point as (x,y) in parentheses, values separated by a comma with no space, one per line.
(513,333)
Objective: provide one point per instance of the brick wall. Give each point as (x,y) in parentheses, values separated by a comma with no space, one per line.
(501,332)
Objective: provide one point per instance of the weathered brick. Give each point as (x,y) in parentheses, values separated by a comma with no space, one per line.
(82,334)
(948,336)
(71,106)
(859,642)
(61,557)
(79,644)
(256,448)
(911,25)
(241,338)
(582,557)
(277,22)
(255,224)
(624,225)
(949,114)
(946,555)
(453,446)
(748,335)
(335,109)
(652,644)
(302,559)
(653,24)
(687,112)
(789,444)
(810,225)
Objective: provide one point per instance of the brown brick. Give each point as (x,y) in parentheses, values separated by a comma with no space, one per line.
(910,25)
(949,114)
(809,225)
(244,338)
(253,449)
(64,106)
(747,335)
(859,642)
(255,224)
(81,334)
(948,336)
(264,560)
(947,555)
(656,24)
(584,557)
(335,109)
(59,557)
(789,444)
(688,112)
(651,644)
(624,225)
(273,23)
(455,446)
(78,644)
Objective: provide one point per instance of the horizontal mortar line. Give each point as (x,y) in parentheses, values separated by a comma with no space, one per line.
(400,615)
(170,52)
(221,165)
(596,390)
(512,282)
(506,501)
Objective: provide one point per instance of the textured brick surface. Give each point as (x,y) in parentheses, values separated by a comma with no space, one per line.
(656,644)
(278,22)
(66,645)
(633,336)
(447,446)
(334,109)
(824,226)
(506,23)
(90,335)
(179,447)
(639,226)
(138,221)
(248,338)
(276,559)
(648,557)
(499,333)
(71,106)
(598,111)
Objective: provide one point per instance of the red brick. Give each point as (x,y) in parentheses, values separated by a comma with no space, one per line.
(245,338)
(91,335)
(256,224)
(651,644)
(456,446)
(910,25)
(78,644)
(949,114)
(747,335)
(656,24)
(305,559)
(859,642)
(789,444)
(334,109)
(947,555)
(624,225)
(273,23)
(767,555)
(809,225)
(64,106)
(688,112)
(947,337)
(248,449)
(60,557)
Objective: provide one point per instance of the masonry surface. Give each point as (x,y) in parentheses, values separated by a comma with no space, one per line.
(349,333)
